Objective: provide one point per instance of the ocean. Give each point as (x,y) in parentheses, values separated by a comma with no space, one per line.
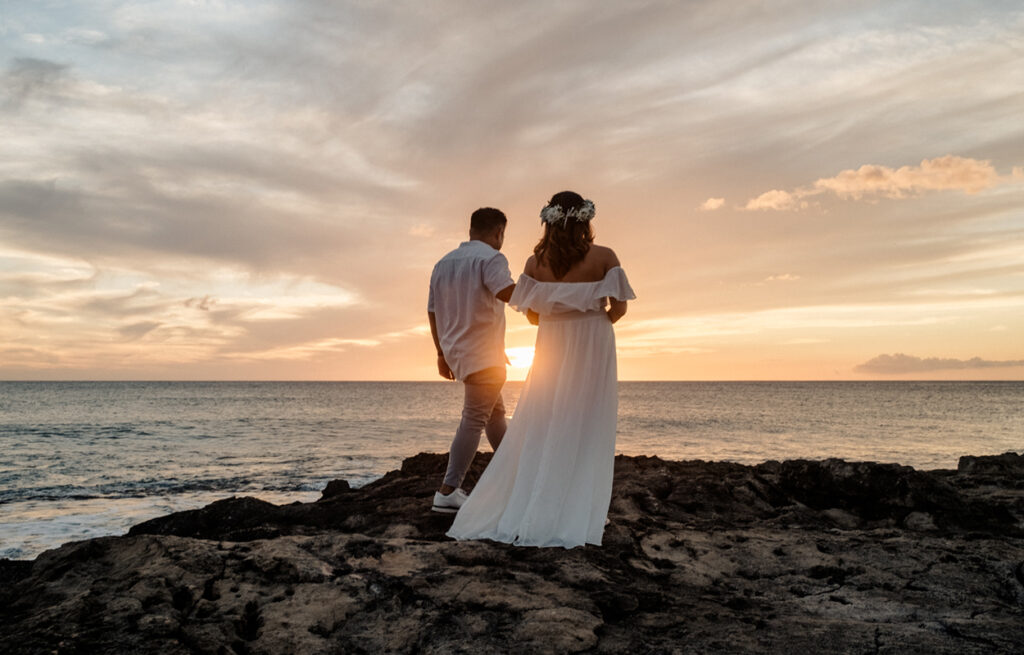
(86,459)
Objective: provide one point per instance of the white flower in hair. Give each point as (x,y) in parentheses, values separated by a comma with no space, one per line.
(552,214)
(585,212)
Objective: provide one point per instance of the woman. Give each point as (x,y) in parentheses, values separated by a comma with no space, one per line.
(550,482)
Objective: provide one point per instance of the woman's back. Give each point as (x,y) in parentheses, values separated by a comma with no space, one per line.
(592,268)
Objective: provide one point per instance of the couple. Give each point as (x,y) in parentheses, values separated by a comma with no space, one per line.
(550,481)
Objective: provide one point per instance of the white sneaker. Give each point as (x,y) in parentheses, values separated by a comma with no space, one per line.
(451,503)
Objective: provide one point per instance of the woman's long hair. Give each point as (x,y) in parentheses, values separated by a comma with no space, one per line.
(564,244)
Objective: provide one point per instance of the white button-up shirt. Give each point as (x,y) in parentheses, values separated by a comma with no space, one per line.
(470,320)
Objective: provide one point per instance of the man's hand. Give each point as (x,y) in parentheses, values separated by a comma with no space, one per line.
(443,369)
(533,317)
(442,364)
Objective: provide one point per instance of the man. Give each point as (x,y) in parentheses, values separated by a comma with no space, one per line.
(468,291)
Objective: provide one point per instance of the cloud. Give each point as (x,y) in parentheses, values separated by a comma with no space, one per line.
(777,200)
(422,230)
(899,363)
(142,301)
(27,77)
(28,357)
(202,304)
(675,331)
(711,204)
(136,331)
(781,277)
(947,173)
(85,36)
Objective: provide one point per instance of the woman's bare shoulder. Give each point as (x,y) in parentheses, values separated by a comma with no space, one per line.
(531,266)
(605,256)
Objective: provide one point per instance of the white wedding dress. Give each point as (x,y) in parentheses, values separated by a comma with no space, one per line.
(550,481)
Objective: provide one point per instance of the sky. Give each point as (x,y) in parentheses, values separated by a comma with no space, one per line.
(196,190)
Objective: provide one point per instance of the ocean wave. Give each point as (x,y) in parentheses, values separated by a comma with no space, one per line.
(148,488)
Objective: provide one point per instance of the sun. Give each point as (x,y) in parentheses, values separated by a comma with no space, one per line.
(520,358)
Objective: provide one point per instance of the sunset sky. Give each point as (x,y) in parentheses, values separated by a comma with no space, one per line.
(259,189)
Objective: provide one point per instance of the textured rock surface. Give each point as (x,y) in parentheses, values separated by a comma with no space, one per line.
(800,556)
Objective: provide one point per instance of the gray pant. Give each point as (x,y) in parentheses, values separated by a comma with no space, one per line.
(482,410)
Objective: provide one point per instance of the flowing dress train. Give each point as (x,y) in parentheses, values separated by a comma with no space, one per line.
(550,481)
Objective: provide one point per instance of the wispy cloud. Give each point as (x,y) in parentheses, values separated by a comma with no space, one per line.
(138,330)
(687,331)
(899,363)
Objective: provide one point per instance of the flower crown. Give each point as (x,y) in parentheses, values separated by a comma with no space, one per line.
(555,215)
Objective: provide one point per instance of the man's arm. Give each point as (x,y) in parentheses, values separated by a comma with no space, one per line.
(505,294)
(442,363)
(531,270)
(497,278)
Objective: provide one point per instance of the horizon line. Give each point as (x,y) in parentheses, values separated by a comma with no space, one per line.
(703,381)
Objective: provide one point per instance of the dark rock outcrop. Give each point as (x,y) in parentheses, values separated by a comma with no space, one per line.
(886,493)
(799,556)
(1005,464)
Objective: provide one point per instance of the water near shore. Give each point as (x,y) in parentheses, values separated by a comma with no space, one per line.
(93,458)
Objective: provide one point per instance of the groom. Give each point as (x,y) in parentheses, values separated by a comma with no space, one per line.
(468,291)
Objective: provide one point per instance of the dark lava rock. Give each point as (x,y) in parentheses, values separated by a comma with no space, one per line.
(335,488)
(232,519)
(877,492)
(1005,464)
(802,556)
(14,570)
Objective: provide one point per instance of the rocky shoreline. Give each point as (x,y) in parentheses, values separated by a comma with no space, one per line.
(796,556)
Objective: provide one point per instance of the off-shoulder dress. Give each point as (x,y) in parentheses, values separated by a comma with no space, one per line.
(550,481)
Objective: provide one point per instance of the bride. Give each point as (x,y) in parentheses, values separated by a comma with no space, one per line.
(550,481)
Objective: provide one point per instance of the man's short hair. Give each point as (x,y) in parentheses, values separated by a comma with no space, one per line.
(486,220)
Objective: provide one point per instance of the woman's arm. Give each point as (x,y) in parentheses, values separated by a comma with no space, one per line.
(616,309)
